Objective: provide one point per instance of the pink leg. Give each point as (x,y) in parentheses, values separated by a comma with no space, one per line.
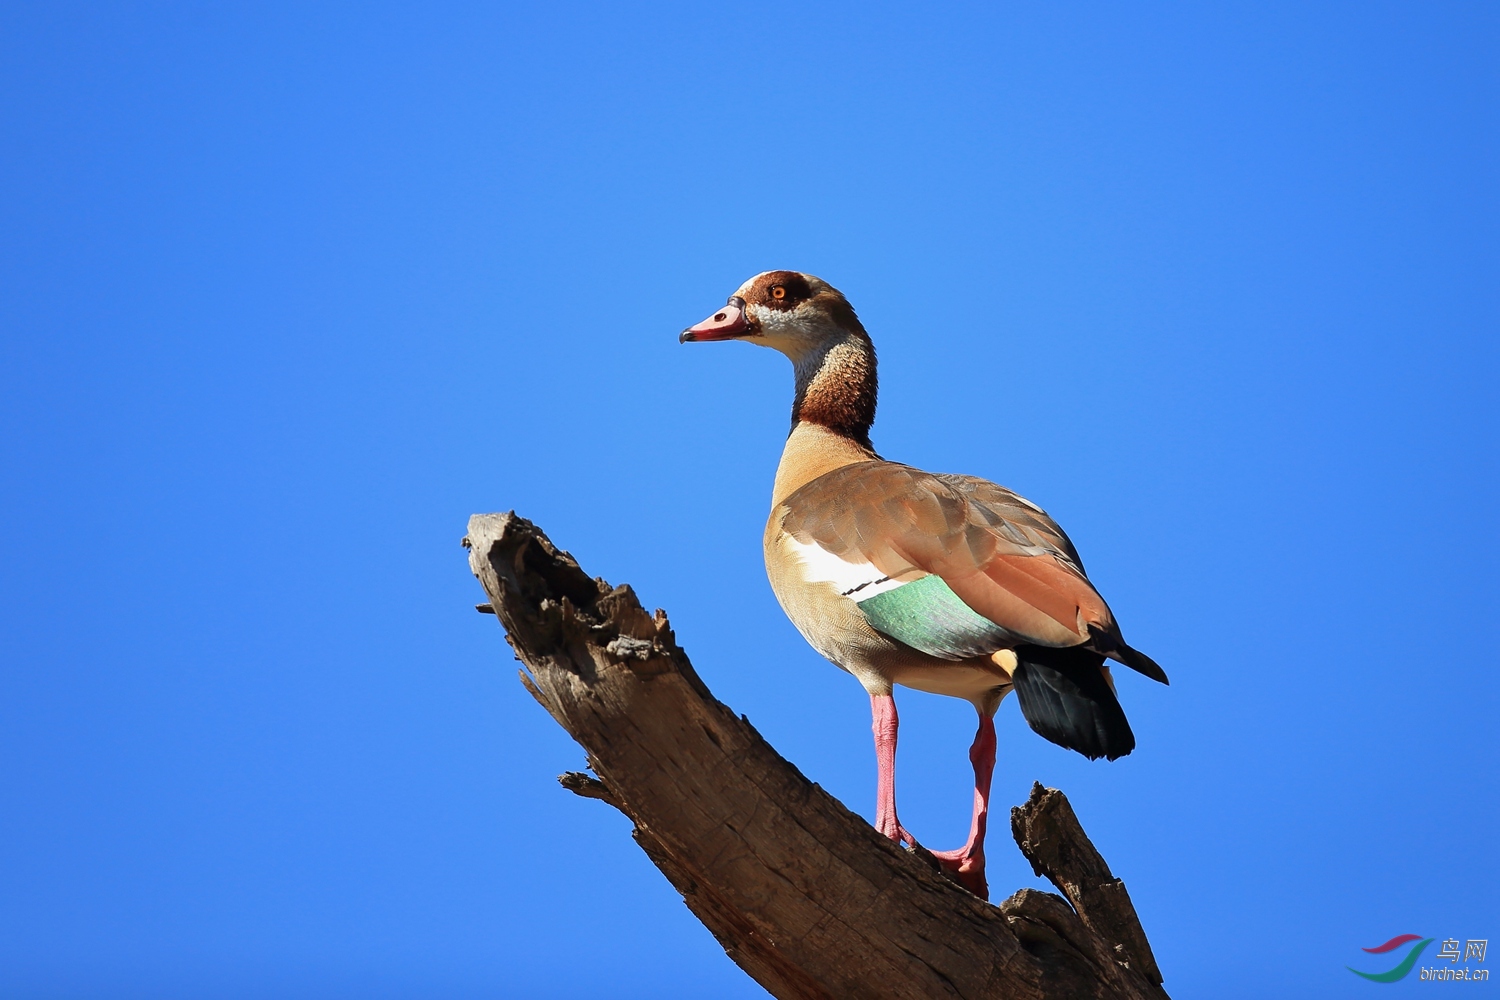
(968,861)
(883,712)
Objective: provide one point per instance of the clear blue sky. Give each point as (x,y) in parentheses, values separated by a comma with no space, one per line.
(285,295)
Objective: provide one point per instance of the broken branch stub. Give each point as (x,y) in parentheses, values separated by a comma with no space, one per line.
(803,894)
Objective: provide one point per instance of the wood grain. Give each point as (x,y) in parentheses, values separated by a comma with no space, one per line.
(803,894)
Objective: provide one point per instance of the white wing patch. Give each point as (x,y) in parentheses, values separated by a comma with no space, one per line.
(859,581)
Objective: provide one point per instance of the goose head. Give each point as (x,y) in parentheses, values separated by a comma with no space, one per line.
(811,322)
(794,313)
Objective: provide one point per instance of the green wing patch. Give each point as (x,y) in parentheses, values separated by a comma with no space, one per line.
(927,615)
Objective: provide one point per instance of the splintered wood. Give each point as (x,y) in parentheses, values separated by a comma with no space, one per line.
(803,894)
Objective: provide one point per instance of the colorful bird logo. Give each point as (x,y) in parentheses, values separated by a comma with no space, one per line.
(1405,966)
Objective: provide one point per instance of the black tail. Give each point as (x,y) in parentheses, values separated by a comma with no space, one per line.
(1066,699)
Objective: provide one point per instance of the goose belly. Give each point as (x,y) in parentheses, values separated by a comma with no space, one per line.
(830,622)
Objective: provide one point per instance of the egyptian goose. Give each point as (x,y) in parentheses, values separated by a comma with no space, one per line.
(943,583)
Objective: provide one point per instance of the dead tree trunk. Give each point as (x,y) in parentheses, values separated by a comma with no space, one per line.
(803,894)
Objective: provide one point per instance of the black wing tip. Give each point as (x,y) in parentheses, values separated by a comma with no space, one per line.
(1095,753)
(1141,663)
(1111,645)
(1066,700)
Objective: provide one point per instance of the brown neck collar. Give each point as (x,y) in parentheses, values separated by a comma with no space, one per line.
(836,387)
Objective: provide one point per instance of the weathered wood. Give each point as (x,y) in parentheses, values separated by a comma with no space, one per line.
(1053,840)
(802,893)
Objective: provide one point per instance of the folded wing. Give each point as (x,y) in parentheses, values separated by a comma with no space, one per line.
(952,565)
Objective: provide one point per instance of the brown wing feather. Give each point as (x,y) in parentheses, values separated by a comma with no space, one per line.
(1002,556)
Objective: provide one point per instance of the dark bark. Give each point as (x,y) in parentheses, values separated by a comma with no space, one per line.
(803,894)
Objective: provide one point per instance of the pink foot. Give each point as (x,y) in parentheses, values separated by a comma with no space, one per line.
(894,830)
(968,867)
(967,863)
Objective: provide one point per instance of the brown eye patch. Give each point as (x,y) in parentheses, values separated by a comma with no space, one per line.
(782,290)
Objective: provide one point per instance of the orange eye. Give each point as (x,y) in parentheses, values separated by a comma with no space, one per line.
(778,292)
